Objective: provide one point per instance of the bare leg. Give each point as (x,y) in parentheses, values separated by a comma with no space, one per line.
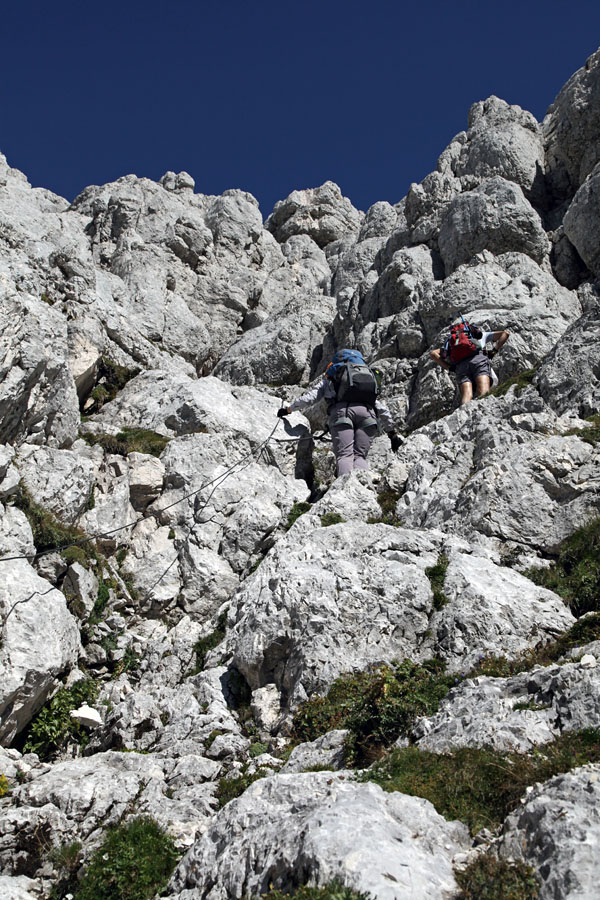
(482,385)
(466,392)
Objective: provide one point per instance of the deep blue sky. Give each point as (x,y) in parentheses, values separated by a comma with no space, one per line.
(270,96)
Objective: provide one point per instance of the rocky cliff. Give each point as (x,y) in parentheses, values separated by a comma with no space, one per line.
(168,618)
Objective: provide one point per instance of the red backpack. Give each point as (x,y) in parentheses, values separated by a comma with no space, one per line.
(460,343)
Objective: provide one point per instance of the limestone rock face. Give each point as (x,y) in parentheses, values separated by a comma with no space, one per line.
(307,824)
(496,217)
(570,130)
(568,378)
(321,213)
(502,140)
(515,713)
(559,821)
(581,221)
(235,576)
(40,641)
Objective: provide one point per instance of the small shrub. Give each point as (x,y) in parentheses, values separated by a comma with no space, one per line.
(111,379)
(129,440)
(257,749)
(576,572)
(230,788)
(53,727)
(481,786)
(134,862)
(490,878)
(212,640)
(331,518)
(377,706)
(387,500)
(102,598)
(335,890)
(297,510)
(4,786)
(129,663)
(75,554)
(436,575)
(49,533)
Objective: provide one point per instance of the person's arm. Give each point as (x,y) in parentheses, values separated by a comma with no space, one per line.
(385,416)
(499,338)
(436,356)
(308,399)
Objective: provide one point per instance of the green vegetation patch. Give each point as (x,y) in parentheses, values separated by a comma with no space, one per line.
(50,533)
(297,510)
(520,381)
(481,786)
(436,575)
(4,786)
(130,440)
(490,878)
(387,501)
(576,573)
(582,632)
(590,435)
(335,890)
(331,518)
(134,862)
(376,706)
(212,640)
(111,379)
(230,788)
(52,728)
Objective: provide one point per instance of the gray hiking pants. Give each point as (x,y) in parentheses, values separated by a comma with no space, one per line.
(352,428)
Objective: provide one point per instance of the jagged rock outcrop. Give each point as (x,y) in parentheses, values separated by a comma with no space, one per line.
(40,642)
(303,827)
(556,831)
(515,713)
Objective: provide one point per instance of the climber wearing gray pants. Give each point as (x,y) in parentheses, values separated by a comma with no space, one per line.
(353,424)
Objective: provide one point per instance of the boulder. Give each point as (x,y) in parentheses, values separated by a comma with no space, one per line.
(556,831)
(514,714)
(582,221)
(315,828)
(494,216)
(570,132)
(40,641)
(321,213)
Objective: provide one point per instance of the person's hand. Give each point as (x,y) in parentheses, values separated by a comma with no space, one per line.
(284,411)
(394,441)
(492,352)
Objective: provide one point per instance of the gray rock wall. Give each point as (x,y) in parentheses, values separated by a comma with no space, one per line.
(208,614)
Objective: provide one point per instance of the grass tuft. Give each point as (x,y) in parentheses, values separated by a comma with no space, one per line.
(212,640)
(520,381)
(50,533)
(481,786)
(490,878)
(129,440)
(376,706)
(331,518)
(297,510)
(134,862)
(576,573)
(436,575)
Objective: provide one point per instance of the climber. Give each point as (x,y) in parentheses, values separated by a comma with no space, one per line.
(350,389)
(465,353)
